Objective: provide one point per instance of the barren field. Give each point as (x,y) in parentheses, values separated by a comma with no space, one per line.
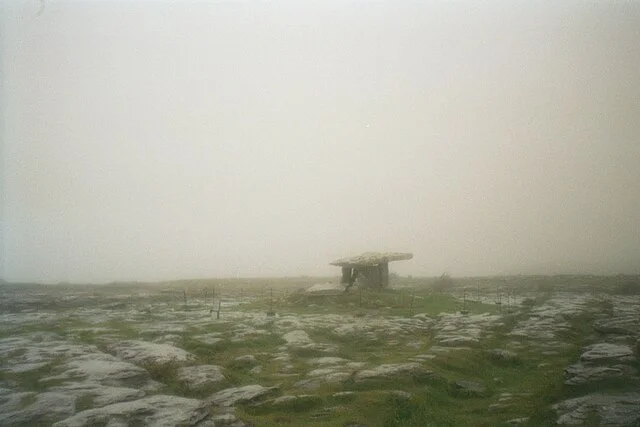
(479,352)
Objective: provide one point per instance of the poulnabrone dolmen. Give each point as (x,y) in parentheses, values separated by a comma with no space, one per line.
(370,269)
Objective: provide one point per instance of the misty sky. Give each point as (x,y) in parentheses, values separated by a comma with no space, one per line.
(151,140)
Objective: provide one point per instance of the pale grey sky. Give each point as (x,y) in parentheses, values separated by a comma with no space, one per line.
(151,140)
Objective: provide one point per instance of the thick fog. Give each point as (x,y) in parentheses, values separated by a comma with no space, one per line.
(158,140)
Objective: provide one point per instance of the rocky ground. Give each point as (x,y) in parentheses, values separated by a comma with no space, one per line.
(80,357)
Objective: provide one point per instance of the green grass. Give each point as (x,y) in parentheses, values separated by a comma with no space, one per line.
(434,400)
(84,402)
(388,302)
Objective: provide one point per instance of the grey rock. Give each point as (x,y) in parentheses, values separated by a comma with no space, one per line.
(322,361)
(322,372)
(606,352)
(48,407)
(325,289)
(201,376)
(100,395)
(225,420)
(301,399)
(143,352)
(237,395)
(423,316)
(580,374)
(469,387)
(297,338)
(613,410)
(391,371)
(423,357)
(159,410)
(499,407)
(283,399)
(343,394)
(316,381)
(627,325)
(11,400)
(455,340)
(104,369)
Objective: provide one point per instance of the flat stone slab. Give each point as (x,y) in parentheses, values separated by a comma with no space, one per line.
(325,289)
(455,340)
(237,395)
(371,259)
(323,361)
(35,350)
(614,410)
(143,352)
(159,410)
(100,395)
(580,374)
(603,352)
(48,407)
(289,400)
(104,369)
(627,325)
(297,338)
(200,377)
(318,378)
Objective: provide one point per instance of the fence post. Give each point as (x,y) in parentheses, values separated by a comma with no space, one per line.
(411,304)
